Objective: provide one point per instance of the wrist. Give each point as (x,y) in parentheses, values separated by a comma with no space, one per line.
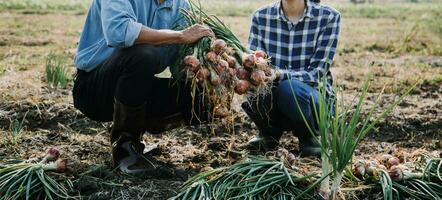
(180,37)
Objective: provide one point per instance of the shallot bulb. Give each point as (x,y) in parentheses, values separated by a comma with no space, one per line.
(371,168)
(218,46)
(242,86)
(202,74)
(215,80)
(212,57)
(222,66)
(224,63)
(393,161)
(232,72)
(191,61)
(248,61)
(232,61)
(359,168)
(230,51)
(383,159)
(262,64)
(291,158)
(396,173)
(52,154)
(258,77)
(242,74)
(260,54)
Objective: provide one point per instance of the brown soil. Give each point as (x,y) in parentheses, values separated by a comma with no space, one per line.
(51,120)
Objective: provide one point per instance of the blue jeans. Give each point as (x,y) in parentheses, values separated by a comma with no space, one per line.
(278,111)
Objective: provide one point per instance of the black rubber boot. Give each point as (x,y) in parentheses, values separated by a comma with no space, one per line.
(128,126)
(269,135)
(308,145)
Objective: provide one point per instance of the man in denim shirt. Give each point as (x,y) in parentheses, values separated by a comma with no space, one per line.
(123,45)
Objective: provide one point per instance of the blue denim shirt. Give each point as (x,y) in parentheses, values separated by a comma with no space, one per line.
(114,24)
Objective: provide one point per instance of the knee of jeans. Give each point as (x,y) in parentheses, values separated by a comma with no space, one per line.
(294,90)
(144,59)
(294,98)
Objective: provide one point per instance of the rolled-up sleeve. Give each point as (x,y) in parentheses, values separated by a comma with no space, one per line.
(120,26)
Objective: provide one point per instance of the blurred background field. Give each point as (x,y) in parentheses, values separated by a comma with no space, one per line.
(399,41)
(393,28)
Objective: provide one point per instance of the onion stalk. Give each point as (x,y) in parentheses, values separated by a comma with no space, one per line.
(341,129)
(33,181)
(400,182)
(256,178)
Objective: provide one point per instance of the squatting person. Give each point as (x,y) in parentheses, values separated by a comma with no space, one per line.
(300,36)
(124,43)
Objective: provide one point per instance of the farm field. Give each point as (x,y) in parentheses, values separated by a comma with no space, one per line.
(398,42)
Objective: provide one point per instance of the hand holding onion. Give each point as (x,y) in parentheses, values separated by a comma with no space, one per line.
(194,33)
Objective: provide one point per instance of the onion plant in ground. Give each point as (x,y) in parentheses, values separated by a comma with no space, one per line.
(57,74)
(16,127)
(340,128)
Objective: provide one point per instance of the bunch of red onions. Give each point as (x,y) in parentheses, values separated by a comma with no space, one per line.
(222,69)
(221,66)
(386,162)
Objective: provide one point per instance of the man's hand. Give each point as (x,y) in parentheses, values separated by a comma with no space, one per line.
(194,33)
(161,37)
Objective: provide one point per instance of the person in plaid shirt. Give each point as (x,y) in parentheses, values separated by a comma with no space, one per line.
(300,36)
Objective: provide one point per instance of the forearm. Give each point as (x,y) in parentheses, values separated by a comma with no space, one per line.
(159,37)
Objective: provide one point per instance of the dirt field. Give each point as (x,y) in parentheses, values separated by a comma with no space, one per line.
(399,43)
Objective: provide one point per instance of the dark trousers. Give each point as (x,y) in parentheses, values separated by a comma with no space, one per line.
(128,76)
(278,111)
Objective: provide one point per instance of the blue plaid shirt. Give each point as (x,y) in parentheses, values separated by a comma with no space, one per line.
(298,49)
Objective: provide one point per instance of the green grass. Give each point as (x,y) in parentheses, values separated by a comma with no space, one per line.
(2,70)
(45,5)
(56,71)
(391,10)
(16,126)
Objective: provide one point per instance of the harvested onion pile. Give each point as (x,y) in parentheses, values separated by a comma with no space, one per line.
(400,179)
(220,67)
(27,180)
